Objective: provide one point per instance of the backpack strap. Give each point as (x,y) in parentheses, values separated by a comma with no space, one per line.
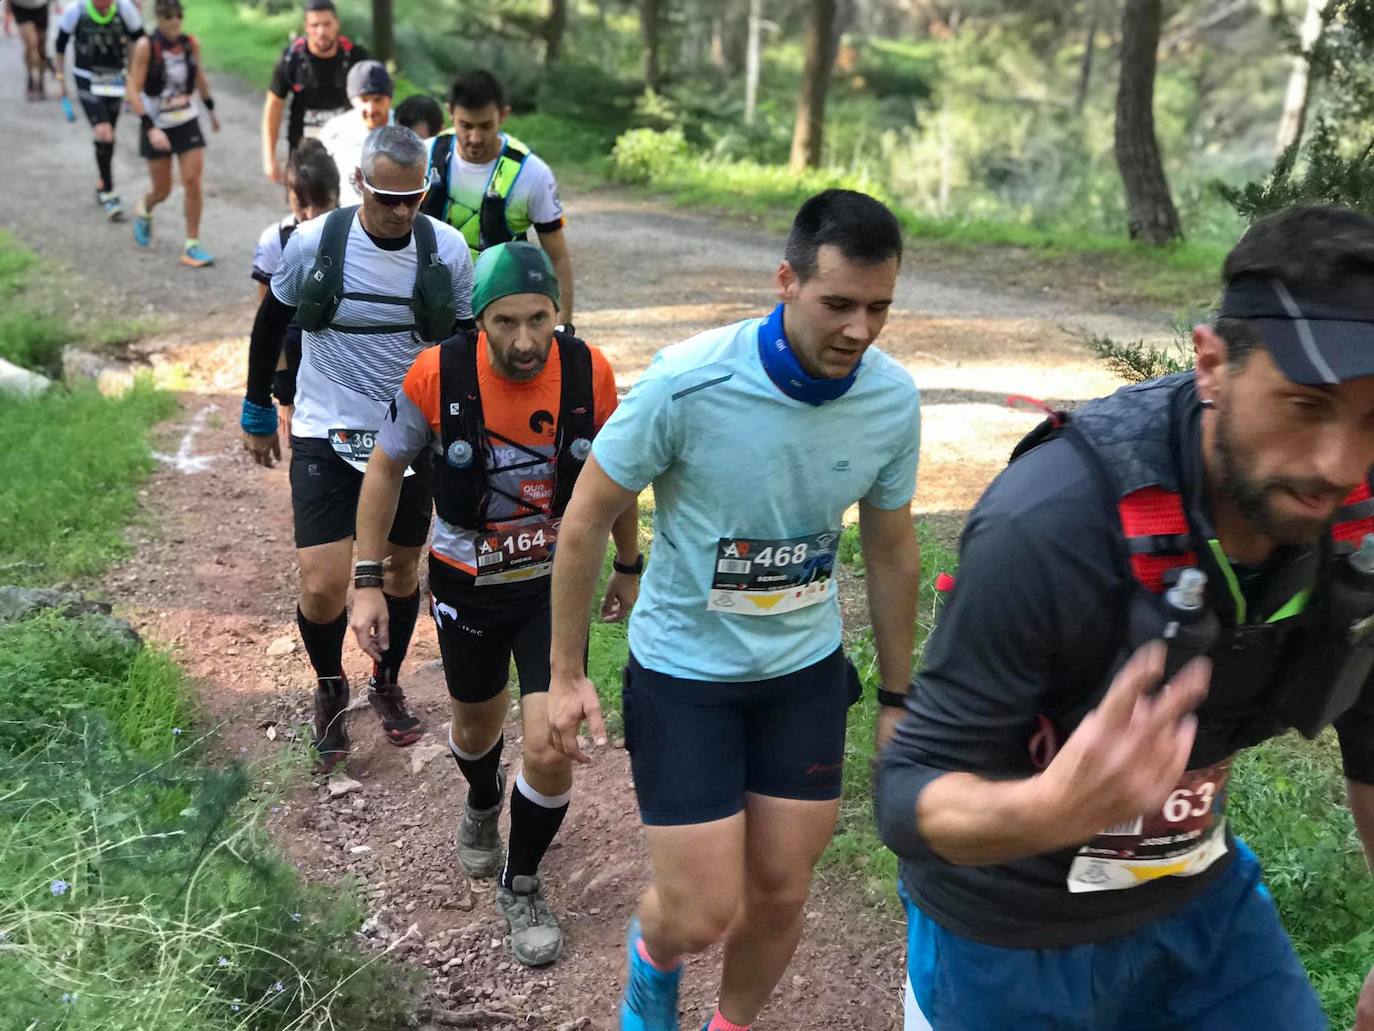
(493,226)
(436,201)
(1158,538)
(1353,520)
(432,301)
(460,495)
(576,418)
(323,288)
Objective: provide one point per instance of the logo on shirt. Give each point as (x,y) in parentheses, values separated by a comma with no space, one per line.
(455,408)
(842,466)
(536,492)
(542,422)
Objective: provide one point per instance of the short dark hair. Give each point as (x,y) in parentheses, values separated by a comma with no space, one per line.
(1314,251)
(321,5)
(312,175)
(860,226)
(420,108)
(475,90)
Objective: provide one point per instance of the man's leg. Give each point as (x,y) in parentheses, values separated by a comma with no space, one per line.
(401,588)
(784,838)
(103,133)
(322,617)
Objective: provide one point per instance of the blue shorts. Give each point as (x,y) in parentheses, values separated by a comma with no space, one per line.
(696,747)
(1221,963)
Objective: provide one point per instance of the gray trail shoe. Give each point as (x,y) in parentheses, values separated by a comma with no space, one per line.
(535,937)
(479,838)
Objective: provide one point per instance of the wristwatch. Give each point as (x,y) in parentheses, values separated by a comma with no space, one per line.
(635,568)
(891,699)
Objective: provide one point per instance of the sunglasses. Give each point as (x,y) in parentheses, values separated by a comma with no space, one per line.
(394,199)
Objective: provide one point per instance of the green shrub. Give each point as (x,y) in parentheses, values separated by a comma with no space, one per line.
(647,155)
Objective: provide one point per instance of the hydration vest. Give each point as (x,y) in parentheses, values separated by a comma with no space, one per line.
(488,225)
(156,80)
(100,42)
(432,303)
(297,58)
(462,487)
(1305,660)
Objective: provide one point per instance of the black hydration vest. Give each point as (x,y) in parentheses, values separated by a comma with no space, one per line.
(462,489)
(1306,660)
(432,303)
(156,81)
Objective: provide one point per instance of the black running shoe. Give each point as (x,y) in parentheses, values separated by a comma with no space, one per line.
(399,724)
(331,730)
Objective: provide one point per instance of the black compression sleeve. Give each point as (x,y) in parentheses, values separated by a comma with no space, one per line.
(60,44)
(264,347)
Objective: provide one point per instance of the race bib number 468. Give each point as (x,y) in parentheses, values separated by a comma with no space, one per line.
(756,577)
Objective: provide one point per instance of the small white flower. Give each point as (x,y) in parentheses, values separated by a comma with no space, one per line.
(59,887)
(223,962)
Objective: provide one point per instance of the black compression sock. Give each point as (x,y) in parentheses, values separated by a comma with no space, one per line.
(104,161)
(481,773)
(324,643)
(401,615)
(534,823)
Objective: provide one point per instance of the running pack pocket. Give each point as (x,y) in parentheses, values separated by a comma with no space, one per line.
(322,291)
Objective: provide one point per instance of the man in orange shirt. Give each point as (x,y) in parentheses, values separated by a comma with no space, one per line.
(510,417)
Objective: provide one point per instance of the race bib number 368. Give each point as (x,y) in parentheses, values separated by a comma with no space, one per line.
(755,577)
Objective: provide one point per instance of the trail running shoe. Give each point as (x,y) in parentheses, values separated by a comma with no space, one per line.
(143,229)
(388,700)
(331,728)
(536,940)
(479,838)
(650,999)
(196,256)
(112,205)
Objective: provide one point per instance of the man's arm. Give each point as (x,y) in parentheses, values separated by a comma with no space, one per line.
(892,558)
(264,348)
(555,245)
(271,126)
(597,503)
(622,589)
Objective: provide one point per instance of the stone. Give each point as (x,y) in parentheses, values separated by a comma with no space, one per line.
(18,603)
(20,382)
(340,786)
(281,646)
(424,755)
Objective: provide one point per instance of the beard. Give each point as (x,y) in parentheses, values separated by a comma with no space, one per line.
(1254,497)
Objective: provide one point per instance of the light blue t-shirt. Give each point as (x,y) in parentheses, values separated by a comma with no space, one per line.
(737,465)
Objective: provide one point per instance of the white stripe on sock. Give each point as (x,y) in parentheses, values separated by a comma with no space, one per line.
(556,802)
(452,747)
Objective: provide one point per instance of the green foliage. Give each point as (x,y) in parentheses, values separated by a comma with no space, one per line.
(1287,800)
(648,155)
(138,891)
(28,337)
(70,468)
(1136,361)
(1327,175)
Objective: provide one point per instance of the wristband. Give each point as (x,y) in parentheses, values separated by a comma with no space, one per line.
(634,568)
(368,568)
(209,103)
(360,581)
(258,420)
(891,699)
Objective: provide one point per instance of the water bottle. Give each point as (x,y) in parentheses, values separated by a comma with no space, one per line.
(1180,617)
(68,111)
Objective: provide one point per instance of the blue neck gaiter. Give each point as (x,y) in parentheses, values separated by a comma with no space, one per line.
(786,371)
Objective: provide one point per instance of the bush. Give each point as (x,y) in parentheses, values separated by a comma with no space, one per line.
(646,155)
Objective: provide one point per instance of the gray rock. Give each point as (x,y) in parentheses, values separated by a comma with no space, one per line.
(20,382)
(18,603)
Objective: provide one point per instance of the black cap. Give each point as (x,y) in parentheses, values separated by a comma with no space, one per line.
(367,78)
(1321,336)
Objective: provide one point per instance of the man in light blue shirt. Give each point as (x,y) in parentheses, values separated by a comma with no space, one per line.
(756,438)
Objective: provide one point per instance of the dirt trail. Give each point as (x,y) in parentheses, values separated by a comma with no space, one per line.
(213,576)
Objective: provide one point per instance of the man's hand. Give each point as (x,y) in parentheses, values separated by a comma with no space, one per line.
(888,718)
(571,700)
(263,448)
(622,591)
(284,425)
(1129,753)
(157,139)
(370,622)
(272,169)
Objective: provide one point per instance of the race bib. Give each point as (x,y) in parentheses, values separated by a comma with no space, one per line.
(316,117)
(522,553)
(107,84)
(355,447)
(1183,839)
(174,111)
(769,577)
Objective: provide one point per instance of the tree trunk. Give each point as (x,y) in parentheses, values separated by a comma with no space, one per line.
(720,59)
(1295,100)
(1085,69)
(809,131)
(554,28)
(1153,217)
(383,31)
(649,34)
(751,60)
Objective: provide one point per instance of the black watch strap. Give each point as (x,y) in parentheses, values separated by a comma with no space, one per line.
(891,699)
(633,569)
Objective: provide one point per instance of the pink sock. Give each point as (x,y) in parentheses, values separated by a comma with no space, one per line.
(644,955)
(719,1023)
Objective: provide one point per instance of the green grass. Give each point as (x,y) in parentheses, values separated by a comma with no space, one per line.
(71,469)
(27,337)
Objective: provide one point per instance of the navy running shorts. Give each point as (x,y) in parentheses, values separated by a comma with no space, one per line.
(697,747)
(1222,962)
(324,497)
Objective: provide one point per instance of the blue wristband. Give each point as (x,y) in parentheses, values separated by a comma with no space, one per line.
(259,420)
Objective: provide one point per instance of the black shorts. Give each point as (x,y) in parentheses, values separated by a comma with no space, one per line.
(32,16)
(324,497)
(184,137)
(697,747)
(100,109)
(481,628)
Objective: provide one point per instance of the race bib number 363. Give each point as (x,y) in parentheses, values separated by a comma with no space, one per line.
(755,577)
(1182,839)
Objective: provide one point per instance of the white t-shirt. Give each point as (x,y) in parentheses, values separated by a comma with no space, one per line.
(267,255)
(343,136)
(350,371)
(533,200)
